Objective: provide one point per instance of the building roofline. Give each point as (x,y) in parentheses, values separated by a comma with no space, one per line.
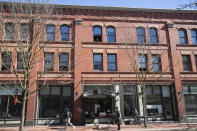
(124,8)
(118,8)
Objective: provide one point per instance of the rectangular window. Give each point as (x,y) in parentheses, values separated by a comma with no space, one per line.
(6,61)
(50,33)
(142,62)
(20,61)
(98,62)
(186,63)
(24,31)
(156,63)
(111,62)
(48,61)
(9,31)
(63,61)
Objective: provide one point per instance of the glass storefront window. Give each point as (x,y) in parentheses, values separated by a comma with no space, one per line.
(191,104)
(10,108)
(130,99)
(50,106)
(153,100)
(53,99)
(190,99)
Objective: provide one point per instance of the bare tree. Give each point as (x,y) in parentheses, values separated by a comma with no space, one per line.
(145,58)
(24,41)
(191,4)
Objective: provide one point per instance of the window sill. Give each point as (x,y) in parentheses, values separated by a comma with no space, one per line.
(58,42)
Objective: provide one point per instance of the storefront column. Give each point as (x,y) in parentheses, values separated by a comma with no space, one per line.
(117,97)
(140,100)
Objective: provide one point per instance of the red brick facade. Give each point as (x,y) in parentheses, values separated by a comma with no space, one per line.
(81,48)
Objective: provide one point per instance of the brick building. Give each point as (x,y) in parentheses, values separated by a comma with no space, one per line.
(92,44)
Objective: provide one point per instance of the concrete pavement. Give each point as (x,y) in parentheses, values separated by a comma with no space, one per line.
(105,127)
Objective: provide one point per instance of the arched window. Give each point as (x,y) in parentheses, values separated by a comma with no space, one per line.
(140,35)
(50,33)
(194,36)
(64,30)
(182,36)
(111,37)
(153,36)
(97,33)
(9,31)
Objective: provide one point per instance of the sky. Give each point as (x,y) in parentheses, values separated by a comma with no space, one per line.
(157,4)
(162,4)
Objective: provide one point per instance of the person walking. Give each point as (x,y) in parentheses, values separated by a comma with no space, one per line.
(68,115)
(136,117)
(117,118)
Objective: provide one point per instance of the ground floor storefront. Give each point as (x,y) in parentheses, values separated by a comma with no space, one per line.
(190,101)
(102,99)
(99,101)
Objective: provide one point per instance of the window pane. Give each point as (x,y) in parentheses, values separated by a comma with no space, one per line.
(64,33)
(9,30)
(97,30)
(142,62)
(55,90)
(67,91)
(98,62)
(140,35)
(156,63)
(97,33)
(63,62)
(49,106)
(50,32)
(182,36)
(20,61)
(6,61)
(194,36)
(45,91)
(111,59)
(190,104)
(110,34)
(186,63)
(48,61)
(24,32)
(153,35)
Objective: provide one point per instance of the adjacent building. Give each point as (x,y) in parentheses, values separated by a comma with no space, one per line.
(94,47)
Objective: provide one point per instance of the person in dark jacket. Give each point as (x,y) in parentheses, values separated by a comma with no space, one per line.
(136,117)
(117,118)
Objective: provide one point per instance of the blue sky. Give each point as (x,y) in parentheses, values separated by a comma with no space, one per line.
(163,4)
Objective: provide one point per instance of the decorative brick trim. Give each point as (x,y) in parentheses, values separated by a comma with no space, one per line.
(49,49)
(97,23)
(110,24)
(153,26)
(63,50)
(111,51)
(186,52)
(97,50)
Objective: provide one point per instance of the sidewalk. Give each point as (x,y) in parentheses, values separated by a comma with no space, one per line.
(105,127)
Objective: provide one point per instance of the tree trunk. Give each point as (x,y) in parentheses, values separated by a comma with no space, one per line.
(7,107)
(22,121)
(144,106)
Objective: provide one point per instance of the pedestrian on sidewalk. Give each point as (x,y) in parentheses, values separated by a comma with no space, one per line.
(68,117)
(117,118)
(136,117)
